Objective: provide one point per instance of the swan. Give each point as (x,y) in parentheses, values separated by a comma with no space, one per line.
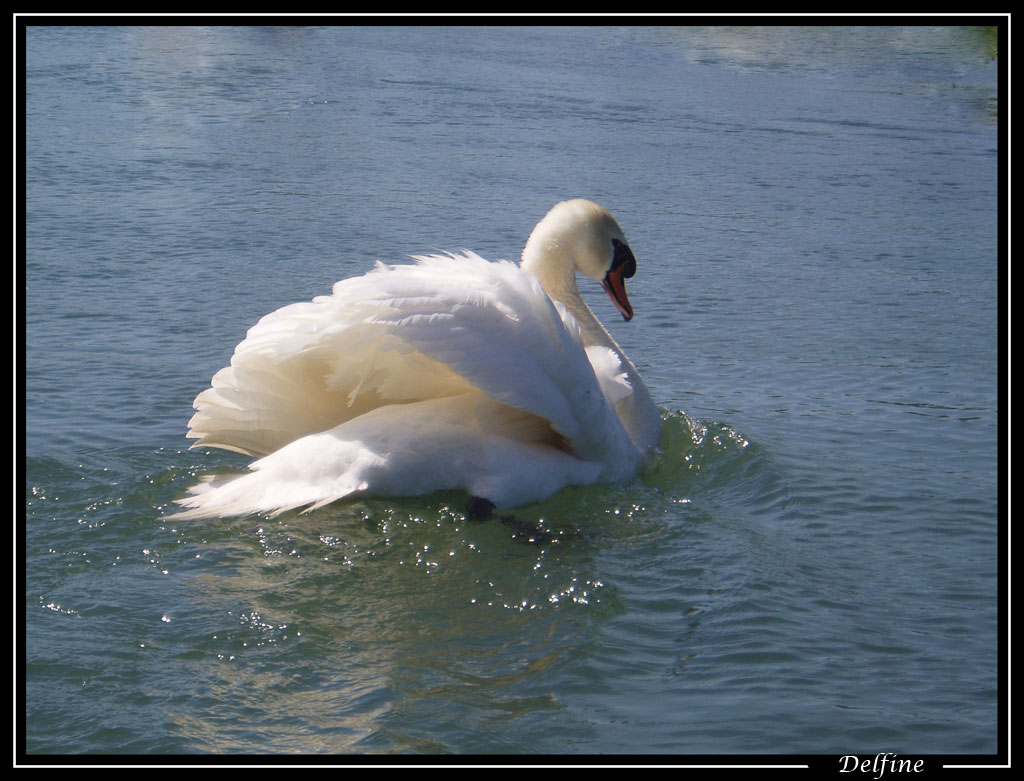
(449,373)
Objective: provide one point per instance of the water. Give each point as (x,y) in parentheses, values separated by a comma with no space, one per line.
(811,566)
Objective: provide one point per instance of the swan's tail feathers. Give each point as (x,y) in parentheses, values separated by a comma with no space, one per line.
(285,480)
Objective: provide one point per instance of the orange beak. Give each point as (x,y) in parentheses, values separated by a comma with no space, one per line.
(615,286)
(614,282)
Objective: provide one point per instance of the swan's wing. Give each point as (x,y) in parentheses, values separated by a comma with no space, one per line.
(400,334)
(309,367)
(493,324)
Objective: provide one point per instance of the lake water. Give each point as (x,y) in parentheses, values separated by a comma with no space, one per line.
(812,566)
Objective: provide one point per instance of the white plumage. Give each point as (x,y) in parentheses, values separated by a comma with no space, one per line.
(450,373)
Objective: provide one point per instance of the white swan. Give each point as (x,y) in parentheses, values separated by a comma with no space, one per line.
(453,373)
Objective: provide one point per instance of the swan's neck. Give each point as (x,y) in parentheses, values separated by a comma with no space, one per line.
(557,275)
(558,278)
(591,328)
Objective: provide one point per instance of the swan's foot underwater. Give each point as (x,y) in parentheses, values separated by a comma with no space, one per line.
(481,509)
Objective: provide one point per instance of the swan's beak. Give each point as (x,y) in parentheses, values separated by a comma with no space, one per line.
(614,282)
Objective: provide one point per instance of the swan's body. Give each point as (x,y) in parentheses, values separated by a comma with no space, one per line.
(453,373)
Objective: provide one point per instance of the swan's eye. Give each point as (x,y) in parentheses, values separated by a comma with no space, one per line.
(623,258)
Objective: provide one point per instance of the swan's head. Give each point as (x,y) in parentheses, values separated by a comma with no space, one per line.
(581,236)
